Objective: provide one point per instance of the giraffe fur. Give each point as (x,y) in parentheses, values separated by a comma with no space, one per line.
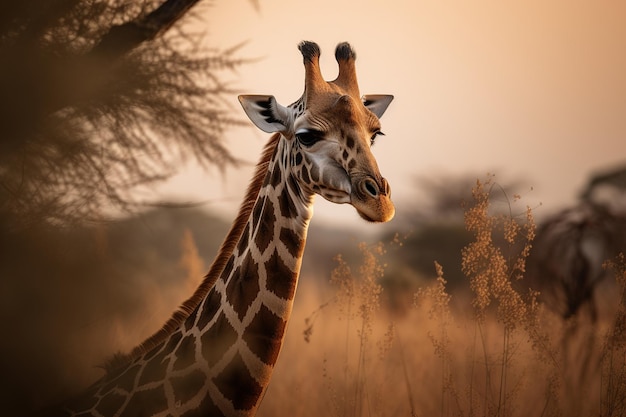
(215,356)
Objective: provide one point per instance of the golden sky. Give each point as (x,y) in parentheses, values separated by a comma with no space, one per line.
(532,90)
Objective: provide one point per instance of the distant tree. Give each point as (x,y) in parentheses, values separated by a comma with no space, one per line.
(572,246)
(98,97)
(443,197)
(434,226)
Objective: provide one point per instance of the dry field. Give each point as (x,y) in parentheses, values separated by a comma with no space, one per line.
(495,351)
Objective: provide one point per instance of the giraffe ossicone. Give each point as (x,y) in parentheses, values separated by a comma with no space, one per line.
(214,357)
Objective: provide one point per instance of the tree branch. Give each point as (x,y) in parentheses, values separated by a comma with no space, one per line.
(123,38)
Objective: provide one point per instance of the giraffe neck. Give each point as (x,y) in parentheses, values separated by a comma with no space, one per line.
(252,300)
(218,358)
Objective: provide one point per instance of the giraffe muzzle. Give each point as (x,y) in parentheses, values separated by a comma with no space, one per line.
(373,200)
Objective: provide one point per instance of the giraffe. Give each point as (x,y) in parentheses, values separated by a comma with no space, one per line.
(215,356)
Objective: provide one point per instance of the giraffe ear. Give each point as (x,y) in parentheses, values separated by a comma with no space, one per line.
(377,103)
(265,112)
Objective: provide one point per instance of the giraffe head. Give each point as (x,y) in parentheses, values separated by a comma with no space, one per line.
(331,129)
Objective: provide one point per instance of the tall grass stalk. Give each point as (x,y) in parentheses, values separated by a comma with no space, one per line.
(438,301)
(491,276)
(407,379)
(358,298)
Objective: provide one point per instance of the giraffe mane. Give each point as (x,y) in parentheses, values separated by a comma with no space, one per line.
(225,251)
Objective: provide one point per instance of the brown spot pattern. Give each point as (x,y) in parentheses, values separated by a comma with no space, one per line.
(186,387)
(236,383)
(190,322)
(210,308)
(185,353)
(264,335)
(292,241)
(276,177)
(228,269)
(287,207)
(293,184)
(216,341)
(265,231)
(154,370)
(173,341)
(305,174)
(241,246)
(280,279)
(243,287)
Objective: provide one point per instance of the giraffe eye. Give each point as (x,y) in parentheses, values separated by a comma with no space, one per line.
(374,136)
(309,137)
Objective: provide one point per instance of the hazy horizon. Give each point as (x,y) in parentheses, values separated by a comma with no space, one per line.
(532,91)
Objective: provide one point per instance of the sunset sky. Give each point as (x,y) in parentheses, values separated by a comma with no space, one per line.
(532,90)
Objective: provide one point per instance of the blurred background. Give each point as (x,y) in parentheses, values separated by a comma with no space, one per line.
(531,92)
(125,152)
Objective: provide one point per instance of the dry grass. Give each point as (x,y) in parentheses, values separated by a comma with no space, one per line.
(493,352)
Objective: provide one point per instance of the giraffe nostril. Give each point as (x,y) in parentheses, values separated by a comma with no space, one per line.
(370,187)
(386,188)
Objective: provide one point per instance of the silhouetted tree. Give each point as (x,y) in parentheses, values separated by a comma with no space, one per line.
(98,97)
